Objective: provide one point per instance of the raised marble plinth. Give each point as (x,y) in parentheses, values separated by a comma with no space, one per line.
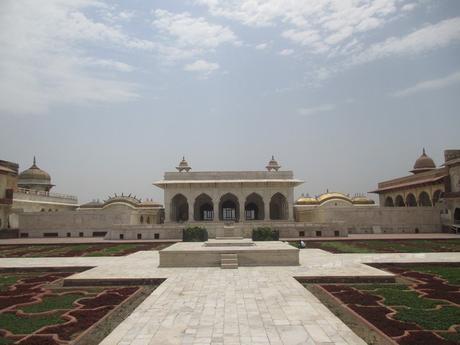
(208,254)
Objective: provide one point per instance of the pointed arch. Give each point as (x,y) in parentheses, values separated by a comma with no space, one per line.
(424,199)
(399,201)
(278,207)
(411,201)
(203,208)
(254,207)
(389,201)
(229,208)
(179,208)
(437,196)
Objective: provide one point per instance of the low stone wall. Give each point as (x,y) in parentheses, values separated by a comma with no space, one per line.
(152,232)
(372,219)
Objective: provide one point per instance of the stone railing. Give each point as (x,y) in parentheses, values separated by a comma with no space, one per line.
(46,194)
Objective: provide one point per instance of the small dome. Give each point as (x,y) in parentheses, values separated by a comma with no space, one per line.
(35,178)
(306,200)
(183,165)
(423,163)
(362,200)
(332,195)
(273,165)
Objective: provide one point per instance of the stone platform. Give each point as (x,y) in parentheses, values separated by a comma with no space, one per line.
(248,253)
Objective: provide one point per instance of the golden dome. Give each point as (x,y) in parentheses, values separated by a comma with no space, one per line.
(362,200)
(423,163)
(306,200)
(332,195)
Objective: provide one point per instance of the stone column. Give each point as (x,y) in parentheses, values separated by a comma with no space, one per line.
(191,207)
(266,209)
(241,202)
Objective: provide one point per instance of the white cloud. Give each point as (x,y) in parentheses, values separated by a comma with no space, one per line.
(286,52)
(428,85)
(202,66)
(314,110)
(184,36)
(43,61)
(261,46)
(430,37)
(319,24)
(409,7)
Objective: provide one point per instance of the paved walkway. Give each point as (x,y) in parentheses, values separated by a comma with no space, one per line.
(251,305)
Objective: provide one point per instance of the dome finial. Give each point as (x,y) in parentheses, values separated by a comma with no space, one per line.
(183,165)
(424,154)
(273,165)
(35,161)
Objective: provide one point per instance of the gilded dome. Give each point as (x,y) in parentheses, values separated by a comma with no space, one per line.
(362,200)
(332,195)
(423,163)
(306,200)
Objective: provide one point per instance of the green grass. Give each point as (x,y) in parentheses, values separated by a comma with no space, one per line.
(454,336)
(5,341)
(27,324)
(6,281)
(52,302)
(112,250)
(410,299)
(430,319)
(449,273)
(380,246)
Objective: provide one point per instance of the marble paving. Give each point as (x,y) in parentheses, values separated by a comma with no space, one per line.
(250,305)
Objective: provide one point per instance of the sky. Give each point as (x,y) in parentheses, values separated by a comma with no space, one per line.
(108,95)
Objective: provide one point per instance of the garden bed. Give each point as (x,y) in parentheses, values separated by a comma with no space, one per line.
(387,246)
(35,308)
(421,308)
(73,250)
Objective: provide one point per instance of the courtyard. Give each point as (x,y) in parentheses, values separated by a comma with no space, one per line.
(254,305)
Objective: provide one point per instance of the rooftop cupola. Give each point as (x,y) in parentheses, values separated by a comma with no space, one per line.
(35,178)
(273,165)
(183,166)
(423,163)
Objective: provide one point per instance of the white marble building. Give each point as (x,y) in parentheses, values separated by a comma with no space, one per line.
(228,196)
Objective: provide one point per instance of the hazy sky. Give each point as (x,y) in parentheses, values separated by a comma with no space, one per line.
(109,95)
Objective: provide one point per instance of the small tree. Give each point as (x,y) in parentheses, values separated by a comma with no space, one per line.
(194,234)
(265,234)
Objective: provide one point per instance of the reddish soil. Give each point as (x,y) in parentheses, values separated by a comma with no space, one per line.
(424,338)
(373,309)
(85,319)
(39,340)
(85,313)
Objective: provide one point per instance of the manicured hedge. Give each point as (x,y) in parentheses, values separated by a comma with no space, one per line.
(195,234)
(265,234)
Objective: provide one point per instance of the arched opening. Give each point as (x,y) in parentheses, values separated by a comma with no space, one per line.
(278,207)
(410,200)
(389,202)
(424,199)
(399,201)
(203,208)
(254,207)
(436,196)
(457,216)
(142,219)
(148,219)
(179,208)
(229,208)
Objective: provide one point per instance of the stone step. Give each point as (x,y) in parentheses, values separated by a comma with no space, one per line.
(228,261)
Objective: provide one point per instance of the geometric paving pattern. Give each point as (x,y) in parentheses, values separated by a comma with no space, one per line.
(250,305)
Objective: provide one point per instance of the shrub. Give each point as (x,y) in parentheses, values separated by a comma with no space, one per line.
(195,234)
(265,234)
